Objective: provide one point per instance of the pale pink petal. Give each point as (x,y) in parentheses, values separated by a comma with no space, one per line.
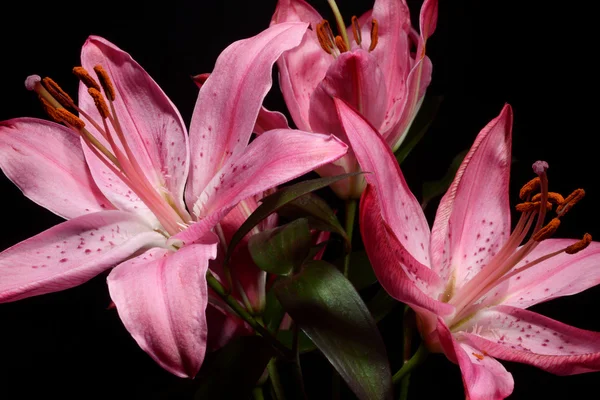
(275,157)
(484,378)
(403,277)
(71,253)
(223,327)
(355,78)
(473,218)
(399,207)
(562,275)
(161,297)
(230,100)
(268,120)
(523,336)
(393,46)
(46,162)
(301,69)
(151,124)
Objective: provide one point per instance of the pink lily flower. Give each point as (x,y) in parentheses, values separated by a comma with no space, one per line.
(469,279)
(378,65)
(138,195)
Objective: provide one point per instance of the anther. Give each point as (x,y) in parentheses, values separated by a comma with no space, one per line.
(339,42)
(531,205)
(105,81)
(60,95)
(50,110)
(99,101)
(553,197)
(478,356)
(86,78)
(374,34)
(547,231)
(580,245)
(69,118)
(325,36)
(570,201)
(356,31)
(529,188)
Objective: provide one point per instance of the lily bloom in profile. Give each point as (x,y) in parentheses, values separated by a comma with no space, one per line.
(141,197)
(470,280)
(377,64)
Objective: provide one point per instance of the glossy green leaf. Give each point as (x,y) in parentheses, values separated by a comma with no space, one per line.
(283,249)
(431,190)
(360,271)
(330,311)
(420,125)
(242,362)
(273,312)
(320,215)
(275,201)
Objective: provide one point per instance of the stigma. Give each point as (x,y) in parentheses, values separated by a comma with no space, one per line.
(531,229)
(112,147)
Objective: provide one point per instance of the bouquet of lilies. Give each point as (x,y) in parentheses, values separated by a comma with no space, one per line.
(221,250)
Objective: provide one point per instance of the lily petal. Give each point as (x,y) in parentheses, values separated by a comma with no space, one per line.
(161,297)
(45,160)
(275,157)
(473,219)
(403,277)
(150,122)
(72,253)
(399,207)
(561,275)
(301,69)
(484,378)
(513,334)
(355,78)
(230,100)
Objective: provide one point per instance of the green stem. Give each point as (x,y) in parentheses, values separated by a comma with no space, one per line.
(275,381)
(417,359)
(404,382)
(351,206)
(257,393)
(219,289)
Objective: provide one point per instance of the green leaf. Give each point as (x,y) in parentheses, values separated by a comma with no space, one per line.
(419,126)
(241,361)
(320,215)
(331,313)
(305,345)
(431,190)
(275,201)
(281,250)
(273,313)
(361,272)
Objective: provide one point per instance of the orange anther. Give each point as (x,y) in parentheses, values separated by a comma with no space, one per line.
(99,101)
(529,187)
(570,201)
(356,30)
(547,231)
(374,34)
(106,83)
(86,78)
(59,95)
(580,245)
(555,198)
(69,118)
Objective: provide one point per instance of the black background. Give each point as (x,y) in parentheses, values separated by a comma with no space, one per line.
(533,55)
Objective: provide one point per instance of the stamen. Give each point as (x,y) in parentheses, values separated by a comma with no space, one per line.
(578,246)
(50,110)
(68,118)
(570,201)
(105,81)
(339,42)
(553,197)
(325,36)
(60,95)
(339,21)
(374,34)
(100,103)
(86,78)
(532,205)
(547,231)
(478,356)
(356,31)
(529,187)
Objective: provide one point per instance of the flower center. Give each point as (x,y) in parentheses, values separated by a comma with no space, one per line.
(335,45)
(117,156)
(468,299)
